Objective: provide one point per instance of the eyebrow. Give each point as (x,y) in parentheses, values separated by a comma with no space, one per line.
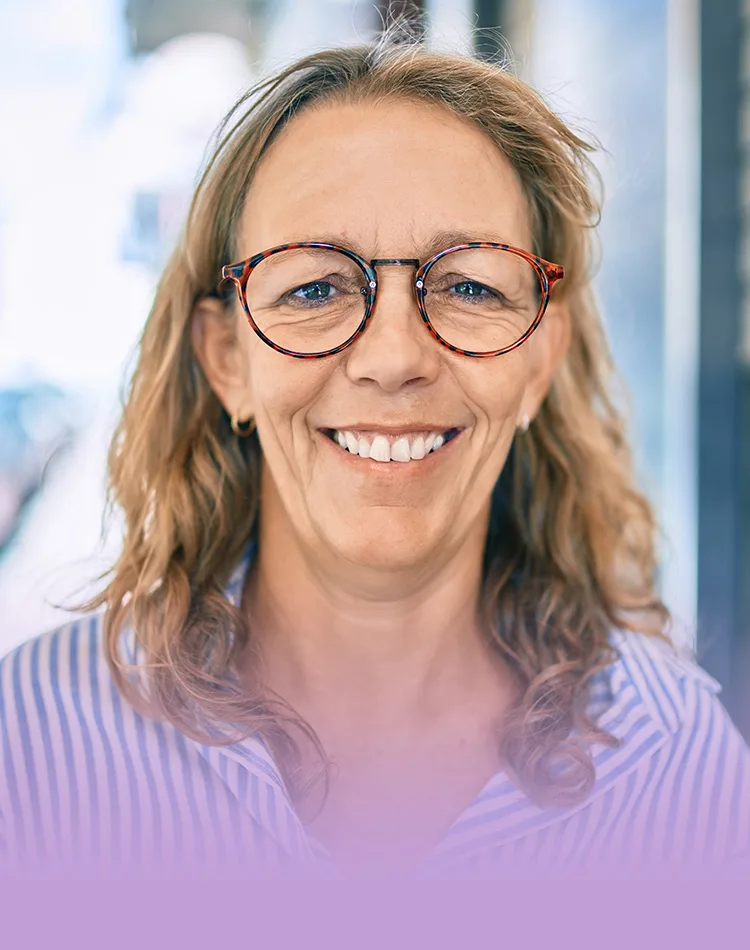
(437,242)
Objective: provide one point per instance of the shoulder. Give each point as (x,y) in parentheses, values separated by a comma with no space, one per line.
(62,648)
(48,675)
(668,682)
(696,760)
(667,686)
(54,691)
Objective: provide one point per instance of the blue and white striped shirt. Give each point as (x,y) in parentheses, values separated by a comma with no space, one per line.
(84,776)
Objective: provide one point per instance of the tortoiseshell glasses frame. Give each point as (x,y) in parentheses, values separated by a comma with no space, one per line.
(547,273)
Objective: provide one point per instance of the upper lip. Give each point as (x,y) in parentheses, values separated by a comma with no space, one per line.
(393,430)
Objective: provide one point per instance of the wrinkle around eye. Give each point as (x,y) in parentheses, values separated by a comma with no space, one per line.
(488,296)
(342,284)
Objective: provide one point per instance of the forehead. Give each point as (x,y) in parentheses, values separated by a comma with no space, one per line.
(384,177)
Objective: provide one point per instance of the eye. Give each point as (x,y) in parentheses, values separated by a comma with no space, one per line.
(317,290)
(469,288)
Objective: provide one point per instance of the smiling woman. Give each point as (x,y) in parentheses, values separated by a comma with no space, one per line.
(386,593)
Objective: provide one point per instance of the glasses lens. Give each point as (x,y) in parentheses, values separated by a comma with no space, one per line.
(307,299)
(482,299)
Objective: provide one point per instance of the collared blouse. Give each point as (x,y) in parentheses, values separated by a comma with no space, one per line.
(83,776)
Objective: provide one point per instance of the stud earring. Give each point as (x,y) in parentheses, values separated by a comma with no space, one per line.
(242,429)
(525,422)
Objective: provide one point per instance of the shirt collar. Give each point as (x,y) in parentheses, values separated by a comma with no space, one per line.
(642,674)
(656,671)
(247,767)
(236,582)
(637,699)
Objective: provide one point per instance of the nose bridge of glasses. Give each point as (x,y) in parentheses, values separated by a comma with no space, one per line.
(395,261)
(409,262)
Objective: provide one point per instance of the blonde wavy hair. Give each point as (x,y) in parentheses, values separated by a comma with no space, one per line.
(570,552)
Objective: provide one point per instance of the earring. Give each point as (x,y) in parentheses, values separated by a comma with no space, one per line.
(242,429)
(525,422)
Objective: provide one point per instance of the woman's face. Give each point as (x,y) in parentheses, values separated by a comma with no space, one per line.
(388,180)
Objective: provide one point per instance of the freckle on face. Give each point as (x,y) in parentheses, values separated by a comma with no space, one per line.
(383,179)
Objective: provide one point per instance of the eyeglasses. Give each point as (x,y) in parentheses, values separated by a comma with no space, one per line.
(312,299)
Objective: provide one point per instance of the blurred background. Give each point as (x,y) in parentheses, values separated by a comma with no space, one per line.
(106,108)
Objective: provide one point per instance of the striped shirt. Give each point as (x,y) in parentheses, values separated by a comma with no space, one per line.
(83,776)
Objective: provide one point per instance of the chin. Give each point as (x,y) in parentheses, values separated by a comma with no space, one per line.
(383,542)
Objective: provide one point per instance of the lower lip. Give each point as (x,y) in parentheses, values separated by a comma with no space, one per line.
(415,465)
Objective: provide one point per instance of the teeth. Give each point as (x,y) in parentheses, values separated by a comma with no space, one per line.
(400,450)
(417,448)
(380,448)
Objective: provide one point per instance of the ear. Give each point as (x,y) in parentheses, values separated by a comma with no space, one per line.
(548,346)
(218,347)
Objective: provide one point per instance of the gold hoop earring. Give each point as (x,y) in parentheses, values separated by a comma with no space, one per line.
(242,429)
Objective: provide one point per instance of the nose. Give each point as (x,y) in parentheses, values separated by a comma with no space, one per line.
(396,350)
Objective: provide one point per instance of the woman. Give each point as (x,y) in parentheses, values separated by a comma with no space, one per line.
(386,589)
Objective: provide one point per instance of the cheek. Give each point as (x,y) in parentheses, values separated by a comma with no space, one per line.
(497,389)
(283,388)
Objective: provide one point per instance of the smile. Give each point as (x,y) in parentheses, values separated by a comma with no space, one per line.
(392,447)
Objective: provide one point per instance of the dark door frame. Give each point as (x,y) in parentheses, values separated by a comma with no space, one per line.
(724,379)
